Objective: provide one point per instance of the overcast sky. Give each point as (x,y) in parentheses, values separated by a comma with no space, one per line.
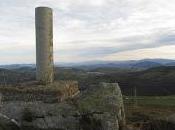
(87,30)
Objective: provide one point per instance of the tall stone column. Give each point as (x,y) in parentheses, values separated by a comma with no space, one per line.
(44,45)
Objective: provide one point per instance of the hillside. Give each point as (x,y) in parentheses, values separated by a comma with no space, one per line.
(18,75)
(153,81)
(146,65)
(136,64)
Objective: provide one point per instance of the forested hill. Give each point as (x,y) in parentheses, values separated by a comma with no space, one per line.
(154,81)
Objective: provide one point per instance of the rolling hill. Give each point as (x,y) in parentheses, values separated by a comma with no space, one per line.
(148,77)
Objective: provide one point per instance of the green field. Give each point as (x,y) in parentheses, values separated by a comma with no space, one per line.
(148,107)
(156,101)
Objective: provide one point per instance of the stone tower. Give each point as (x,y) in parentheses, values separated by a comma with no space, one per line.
(44,45)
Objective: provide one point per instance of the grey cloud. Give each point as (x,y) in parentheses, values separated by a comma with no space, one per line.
(167,39)
(131,43)
(127,19)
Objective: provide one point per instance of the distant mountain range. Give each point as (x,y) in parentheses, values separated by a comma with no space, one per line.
(134,64)
(149,76)
(17,66)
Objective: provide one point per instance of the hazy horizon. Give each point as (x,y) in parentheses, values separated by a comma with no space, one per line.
(90,30)
(94,61)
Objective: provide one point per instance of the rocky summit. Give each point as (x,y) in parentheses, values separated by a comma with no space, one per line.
(99,109)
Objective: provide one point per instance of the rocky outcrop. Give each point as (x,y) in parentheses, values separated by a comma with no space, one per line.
(105,105)
(98,109)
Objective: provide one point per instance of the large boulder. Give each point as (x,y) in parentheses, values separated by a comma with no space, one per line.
(103,104)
